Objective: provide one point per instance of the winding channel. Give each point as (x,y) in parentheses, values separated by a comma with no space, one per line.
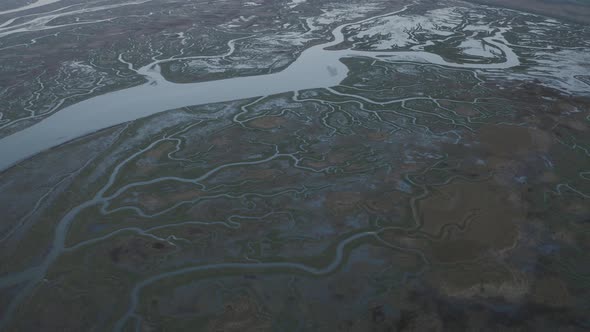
(315,68)
(266,267)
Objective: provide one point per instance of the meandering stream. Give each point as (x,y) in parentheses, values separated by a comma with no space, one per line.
(316,67)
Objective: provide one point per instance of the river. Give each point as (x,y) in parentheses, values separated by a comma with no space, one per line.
(315,68)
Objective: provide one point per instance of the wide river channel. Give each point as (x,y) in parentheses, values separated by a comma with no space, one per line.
(316,67)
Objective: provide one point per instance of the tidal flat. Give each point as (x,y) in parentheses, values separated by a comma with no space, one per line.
(293,166)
